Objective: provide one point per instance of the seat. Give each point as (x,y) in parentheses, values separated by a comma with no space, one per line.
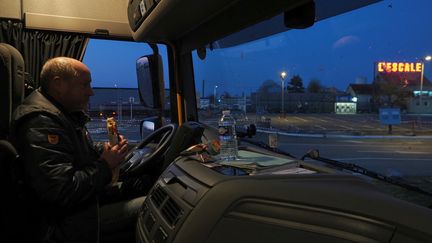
(10,210)
(11,85)
(11,95)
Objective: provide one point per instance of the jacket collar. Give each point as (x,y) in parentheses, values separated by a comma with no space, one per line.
(39,101)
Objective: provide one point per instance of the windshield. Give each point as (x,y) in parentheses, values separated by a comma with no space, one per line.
(355,86)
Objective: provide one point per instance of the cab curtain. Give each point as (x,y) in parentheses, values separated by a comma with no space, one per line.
(39,46)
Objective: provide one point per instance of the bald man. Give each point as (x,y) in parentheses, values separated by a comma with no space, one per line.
(64,173)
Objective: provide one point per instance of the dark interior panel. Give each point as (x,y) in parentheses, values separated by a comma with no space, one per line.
(194,203)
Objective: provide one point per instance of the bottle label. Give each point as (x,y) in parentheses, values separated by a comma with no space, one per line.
(225,131)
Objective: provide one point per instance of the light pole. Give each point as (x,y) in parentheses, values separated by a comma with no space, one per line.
(117,101)
(425,59)
(214,95)
(283,74)
(131,101)
(256,105)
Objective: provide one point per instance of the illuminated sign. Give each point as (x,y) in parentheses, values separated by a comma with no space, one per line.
(390,116)
(400,67)
(345,108)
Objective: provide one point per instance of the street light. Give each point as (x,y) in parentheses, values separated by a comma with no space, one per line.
(214,95)
(283,74)
(426,58)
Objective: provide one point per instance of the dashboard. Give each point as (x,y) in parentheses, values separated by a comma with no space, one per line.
(266,197)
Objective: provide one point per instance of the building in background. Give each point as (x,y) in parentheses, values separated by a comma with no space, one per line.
(421,105)
(363,95)
(233,103)
(204,103)
(270,102)
(123,103)
(402,85)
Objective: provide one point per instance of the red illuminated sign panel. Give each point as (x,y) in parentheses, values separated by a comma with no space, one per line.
(399,67)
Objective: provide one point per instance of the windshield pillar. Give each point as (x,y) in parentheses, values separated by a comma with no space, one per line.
(182,86)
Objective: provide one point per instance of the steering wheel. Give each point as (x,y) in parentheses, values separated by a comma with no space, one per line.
(148,152)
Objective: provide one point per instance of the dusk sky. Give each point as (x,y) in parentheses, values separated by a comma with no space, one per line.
(337,51)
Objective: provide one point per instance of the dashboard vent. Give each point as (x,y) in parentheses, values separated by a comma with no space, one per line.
(171,211)
(158,196)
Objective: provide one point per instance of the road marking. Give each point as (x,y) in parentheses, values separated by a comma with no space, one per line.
(340,119)
(321,120)
(356,141)
(349,128)
(414,142)
(379,158)
(339,145)
(399,152)
(320,127)
(373,151)
(319,135)
(298,118)
(412,152)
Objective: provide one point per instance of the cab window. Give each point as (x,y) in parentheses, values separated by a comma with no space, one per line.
(114,82)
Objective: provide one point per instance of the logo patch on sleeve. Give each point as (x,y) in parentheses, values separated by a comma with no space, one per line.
(53,139)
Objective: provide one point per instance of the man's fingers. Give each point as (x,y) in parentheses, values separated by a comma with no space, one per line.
(123,149)
(106,146)
(122,139)
(124,142)
(115,147)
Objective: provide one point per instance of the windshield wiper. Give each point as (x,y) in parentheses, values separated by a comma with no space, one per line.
(314,154)
(267,147)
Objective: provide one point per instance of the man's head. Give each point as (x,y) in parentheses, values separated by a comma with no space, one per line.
(67,80)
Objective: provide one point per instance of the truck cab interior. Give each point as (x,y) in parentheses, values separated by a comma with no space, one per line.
(270,196)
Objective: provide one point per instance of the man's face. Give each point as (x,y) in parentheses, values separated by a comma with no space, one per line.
(76,92)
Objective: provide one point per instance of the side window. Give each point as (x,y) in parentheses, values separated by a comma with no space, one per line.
(114,82)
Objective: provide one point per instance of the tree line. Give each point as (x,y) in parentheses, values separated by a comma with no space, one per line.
(295,85)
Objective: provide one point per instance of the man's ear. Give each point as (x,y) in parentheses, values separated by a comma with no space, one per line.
(57,85)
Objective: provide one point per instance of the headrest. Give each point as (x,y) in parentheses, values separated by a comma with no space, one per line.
(7,151)
(12,84)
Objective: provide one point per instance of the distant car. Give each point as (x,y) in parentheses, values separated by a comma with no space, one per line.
(264,122)
(240,115)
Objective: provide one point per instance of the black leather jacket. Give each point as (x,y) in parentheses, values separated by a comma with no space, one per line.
(61,169)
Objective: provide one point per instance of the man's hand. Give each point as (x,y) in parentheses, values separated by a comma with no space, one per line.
(115,155)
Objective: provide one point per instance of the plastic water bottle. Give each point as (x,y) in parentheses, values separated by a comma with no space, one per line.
(227,137)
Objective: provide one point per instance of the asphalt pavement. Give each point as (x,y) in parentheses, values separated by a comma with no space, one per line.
(354,124)
(387,156)
(358,139)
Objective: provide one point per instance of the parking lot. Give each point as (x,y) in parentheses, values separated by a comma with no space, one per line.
(356,124)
